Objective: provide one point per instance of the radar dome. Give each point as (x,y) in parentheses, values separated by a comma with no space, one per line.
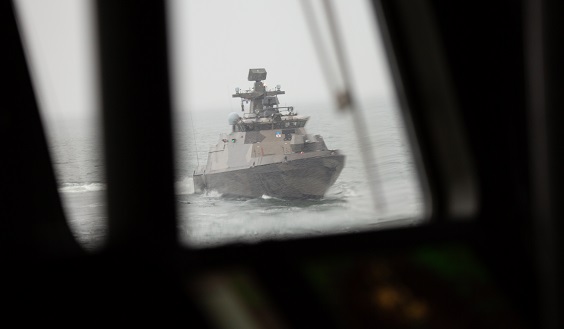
(233,118)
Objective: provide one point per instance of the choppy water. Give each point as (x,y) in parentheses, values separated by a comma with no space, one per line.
(212,219)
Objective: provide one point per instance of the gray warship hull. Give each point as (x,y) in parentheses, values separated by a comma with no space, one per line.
(268,152)
(305,178)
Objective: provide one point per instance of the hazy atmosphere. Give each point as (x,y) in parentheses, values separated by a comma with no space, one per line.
(213,44)
(216,42)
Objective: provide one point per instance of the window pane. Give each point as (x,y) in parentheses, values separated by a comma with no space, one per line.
(59,46)
(247,194)
(213,46)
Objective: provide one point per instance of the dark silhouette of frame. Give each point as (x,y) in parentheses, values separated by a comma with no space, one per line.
(481,86)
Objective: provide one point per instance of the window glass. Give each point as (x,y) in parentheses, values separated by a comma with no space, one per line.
(213,45)
(247,190)
(60,50)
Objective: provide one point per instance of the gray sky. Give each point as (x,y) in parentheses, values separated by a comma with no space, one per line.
(214,43)
(58,41)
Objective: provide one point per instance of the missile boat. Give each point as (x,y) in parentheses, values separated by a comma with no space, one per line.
(268,151)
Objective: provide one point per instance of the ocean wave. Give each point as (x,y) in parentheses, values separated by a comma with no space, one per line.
(213,194)
(185,186)
(341,190)
(273,198)
(81,187)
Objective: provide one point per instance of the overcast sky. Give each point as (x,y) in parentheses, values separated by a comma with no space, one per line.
(214,43)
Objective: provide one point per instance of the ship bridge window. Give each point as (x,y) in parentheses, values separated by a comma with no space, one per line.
(295,124)
(268,126)
(203,99)
(227,284)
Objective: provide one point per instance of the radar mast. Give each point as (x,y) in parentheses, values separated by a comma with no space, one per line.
(264,103)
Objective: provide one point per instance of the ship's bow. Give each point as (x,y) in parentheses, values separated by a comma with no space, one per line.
(307,178)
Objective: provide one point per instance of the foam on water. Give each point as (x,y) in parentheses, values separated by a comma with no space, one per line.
(185,186)
(81,187)
(213,194)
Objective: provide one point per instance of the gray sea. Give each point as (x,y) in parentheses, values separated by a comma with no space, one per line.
(210,219)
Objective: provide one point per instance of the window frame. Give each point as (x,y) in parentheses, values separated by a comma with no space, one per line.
(514,217)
